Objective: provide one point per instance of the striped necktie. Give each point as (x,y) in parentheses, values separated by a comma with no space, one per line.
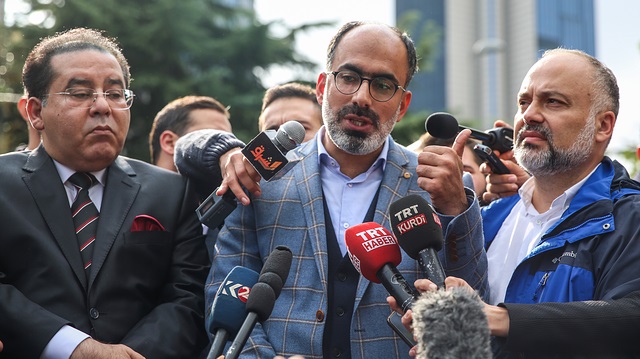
(85,217)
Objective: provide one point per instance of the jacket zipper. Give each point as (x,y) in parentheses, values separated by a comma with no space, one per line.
(541,284)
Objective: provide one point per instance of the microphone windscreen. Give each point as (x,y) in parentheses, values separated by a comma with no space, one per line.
(290,134)
(442,125)
(261,300)
(228,310)
(370,247)
(415,225)
(279,263)
(451,324)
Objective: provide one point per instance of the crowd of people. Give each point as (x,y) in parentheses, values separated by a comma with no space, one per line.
(103,256)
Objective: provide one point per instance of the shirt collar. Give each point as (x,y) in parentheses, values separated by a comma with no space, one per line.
(65,172)
(323,154)
(562,201)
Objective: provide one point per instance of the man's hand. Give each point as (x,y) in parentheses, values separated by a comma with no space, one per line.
(93,349)
(1,346)
(236,173)
(440,173)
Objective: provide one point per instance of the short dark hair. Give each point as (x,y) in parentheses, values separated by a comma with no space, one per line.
(175,118)
(403,36)
(37,73)
(291,89)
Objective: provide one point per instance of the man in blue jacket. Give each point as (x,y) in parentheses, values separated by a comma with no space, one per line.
(571,233)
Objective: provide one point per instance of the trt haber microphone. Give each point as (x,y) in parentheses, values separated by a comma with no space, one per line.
(269,154)
(228,308)
(419,233)
(263,296)
(451,324)
(444,125)
(374,253)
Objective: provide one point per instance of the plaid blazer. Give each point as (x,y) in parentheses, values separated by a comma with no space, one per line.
(290,212)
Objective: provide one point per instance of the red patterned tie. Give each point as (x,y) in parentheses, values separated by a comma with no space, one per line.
(85,216)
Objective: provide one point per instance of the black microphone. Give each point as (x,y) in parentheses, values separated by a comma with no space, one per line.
(269,154)
(444,125)
(451,324)
(419,234)
(263,296)
(228,309)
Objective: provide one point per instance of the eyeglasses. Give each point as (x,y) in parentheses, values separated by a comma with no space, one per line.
(118,99)
(381,89)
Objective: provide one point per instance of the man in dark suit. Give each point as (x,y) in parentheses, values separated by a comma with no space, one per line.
(131,287)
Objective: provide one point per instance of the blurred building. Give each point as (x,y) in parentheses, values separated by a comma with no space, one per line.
(486,47)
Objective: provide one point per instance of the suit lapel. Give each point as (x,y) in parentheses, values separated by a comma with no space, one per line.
(120,192)
(309,185)
(43,181)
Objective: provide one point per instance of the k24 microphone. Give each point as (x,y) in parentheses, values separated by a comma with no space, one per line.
(451,324)
(263,296)
(269,154)
(419,233)
(374,252)
(228,308)
(444,125)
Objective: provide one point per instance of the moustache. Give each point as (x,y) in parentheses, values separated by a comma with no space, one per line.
(544,131)
(361,112)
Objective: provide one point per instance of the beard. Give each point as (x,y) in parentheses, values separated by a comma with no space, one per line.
(352,141)
(554,160)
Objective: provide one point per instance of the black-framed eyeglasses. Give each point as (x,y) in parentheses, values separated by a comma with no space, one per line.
(381,89)
(118,99)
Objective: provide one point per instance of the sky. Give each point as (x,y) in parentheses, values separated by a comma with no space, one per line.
(617,44)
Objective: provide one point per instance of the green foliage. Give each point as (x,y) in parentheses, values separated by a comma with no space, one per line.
(174,48)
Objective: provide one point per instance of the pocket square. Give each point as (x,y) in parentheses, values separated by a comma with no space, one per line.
(145,222)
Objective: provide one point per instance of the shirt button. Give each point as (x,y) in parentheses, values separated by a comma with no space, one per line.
(340,311)
(350,184)
(346,225)
(342,277)
(93,313)
(336,352)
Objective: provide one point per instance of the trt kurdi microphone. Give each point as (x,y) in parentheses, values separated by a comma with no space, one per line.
(419,233)
(263,296)
(228,309)
(269,154)
(374,253)
(451,324)
(444,125)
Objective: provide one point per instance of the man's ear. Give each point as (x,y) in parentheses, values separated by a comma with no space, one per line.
(34,113)
(168,141)
(604,126)
(320,87)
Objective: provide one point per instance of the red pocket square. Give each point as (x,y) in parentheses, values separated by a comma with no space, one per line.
(145,222)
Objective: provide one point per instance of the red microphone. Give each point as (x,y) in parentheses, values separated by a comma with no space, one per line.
(375,253)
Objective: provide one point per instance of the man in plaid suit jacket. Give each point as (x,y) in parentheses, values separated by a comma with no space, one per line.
(308,209)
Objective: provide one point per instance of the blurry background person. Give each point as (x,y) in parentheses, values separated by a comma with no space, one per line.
(179,117)
(291,101)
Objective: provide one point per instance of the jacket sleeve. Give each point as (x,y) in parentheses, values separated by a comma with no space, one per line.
(605,327)
(197,156)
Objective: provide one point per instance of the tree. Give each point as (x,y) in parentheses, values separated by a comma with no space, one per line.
(174,48)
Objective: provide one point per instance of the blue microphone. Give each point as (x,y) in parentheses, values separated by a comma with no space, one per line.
(228,310)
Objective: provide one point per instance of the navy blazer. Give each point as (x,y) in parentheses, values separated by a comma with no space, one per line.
(145,288)
(290,212)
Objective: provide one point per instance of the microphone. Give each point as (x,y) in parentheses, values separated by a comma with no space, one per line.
(374,253)
(444,125)
(451,324)
(228,308)
(419,233)
(263,296)
(269,154)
